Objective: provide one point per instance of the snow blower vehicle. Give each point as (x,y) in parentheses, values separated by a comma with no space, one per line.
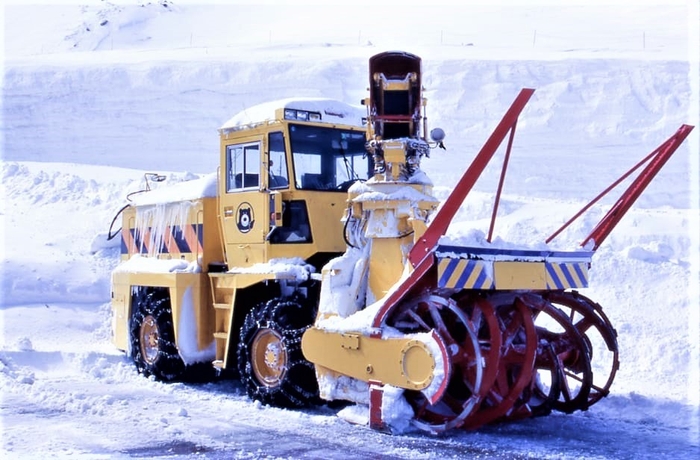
(312,266)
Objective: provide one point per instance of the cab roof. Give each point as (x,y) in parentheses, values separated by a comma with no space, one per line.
(330,110)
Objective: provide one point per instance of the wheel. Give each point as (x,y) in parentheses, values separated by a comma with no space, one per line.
(601,338)
(270,360)
(459,329)
(482,315)
(153,347)
(515,364)
(570,359)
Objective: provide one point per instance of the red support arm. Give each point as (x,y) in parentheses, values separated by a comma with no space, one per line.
(617,212)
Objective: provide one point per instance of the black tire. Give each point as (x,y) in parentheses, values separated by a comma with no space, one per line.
(153,347)
(270,361)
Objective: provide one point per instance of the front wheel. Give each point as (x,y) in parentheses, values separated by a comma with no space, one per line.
(270,360)
(153,348)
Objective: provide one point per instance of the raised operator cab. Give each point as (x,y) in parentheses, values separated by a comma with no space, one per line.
(205,263)
(285,179)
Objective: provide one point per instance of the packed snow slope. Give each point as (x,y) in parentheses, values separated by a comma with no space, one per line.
(96,95)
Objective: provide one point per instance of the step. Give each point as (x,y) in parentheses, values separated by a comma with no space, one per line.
(222,306)
(221,335)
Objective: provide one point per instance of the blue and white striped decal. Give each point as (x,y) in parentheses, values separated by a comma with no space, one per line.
(563,275)
(464,274)
(472,267)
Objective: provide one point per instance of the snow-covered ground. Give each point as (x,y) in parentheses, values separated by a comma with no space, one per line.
(96,95)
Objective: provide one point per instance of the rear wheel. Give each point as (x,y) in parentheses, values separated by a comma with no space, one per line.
(153,347)
(270,360)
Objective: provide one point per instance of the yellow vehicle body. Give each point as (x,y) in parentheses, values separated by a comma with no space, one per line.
(208,250)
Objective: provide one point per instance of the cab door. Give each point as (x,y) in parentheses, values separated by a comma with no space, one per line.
(244,202)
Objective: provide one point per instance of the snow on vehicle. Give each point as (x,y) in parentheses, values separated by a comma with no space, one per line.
(312,265)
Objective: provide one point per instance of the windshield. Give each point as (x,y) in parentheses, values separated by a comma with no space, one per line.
(328,158)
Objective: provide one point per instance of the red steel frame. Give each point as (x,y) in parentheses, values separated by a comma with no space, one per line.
(657,159)
(502,179)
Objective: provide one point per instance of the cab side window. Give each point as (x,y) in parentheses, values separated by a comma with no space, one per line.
(278,176)
(242,166)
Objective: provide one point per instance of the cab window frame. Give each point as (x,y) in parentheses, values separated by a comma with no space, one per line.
(278,173)
(249,163)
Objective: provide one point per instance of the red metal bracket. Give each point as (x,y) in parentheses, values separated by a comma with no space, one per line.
(657,159)
(376,395)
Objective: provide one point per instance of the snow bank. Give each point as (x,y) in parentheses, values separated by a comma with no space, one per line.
(644,103)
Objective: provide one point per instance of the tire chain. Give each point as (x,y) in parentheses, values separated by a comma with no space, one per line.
(299,387)
(169,365)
